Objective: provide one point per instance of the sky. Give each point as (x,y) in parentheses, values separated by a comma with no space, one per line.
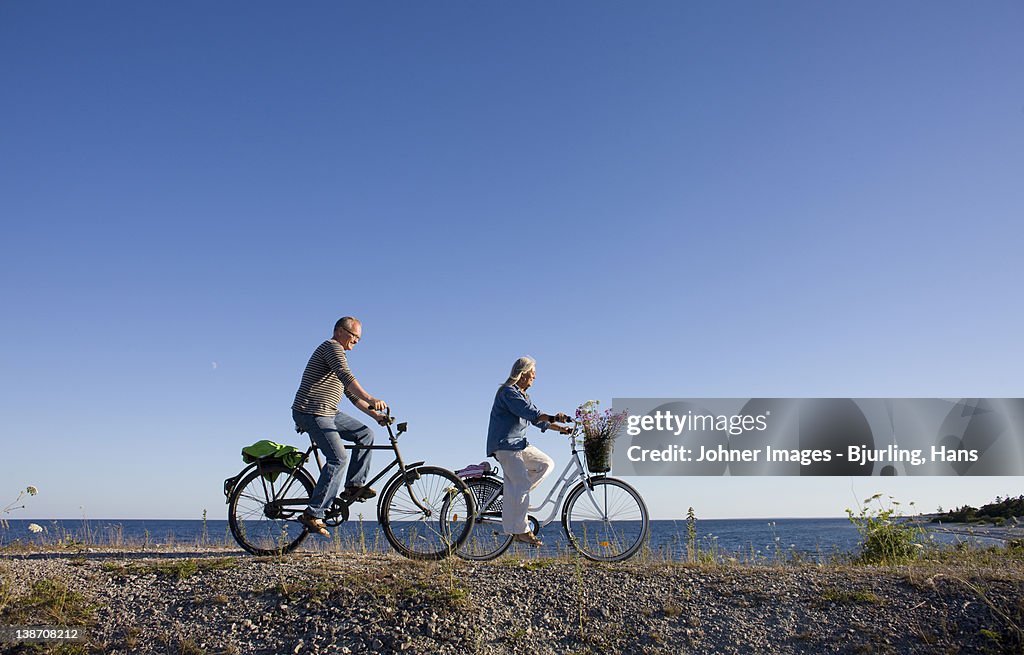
(658,199)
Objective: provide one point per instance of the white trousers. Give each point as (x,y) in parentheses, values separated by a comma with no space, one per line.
(524,470)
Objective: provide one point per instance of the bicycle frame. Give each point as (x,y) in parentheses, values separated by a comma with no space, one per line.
(573,473)
(339,508)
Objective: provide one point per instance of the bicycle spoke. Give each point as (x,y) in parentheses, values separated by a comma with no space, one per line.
(425,517)
(607,522)
(250,520)
(487,539)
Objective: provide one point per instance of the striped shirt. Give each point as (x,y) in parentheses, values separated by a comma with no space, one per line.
(324,381)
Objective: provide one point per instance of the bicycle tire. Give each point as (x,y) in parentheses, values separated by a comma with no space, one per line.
(609,524)
(430,535)
(486,541)
(260,530)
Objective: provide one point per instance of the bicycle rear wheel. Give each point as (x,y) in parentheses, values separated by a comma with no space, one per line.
(606,521)
(486,541)
(260,522)
(434,530)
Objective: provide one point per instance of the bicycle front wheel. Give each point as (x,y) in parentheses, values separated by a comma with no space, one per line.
(426,513)
(263,509)
(605,520)
(486,541)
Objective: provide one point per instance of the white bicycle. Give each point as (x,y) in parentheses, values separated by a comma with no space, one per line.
(605,519)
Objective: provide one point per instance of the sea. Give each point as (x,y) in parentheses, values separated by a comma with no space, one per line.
(744,540)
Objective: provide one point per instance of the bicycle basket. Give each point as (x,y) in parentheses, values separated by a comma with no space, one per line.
(598,451)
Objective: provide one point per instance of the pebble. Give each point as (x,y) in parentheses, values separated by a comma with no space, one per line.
(356,603)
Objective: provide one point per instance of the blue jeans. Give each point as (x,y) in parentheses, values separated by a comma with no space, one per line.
(327,433)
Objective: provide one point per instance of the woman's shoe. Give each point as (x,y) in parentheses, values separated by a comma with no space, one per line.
(529,539)
(313,524)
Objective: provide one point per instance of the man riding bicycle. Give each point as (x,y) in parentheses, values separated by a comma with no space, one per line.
(326,378)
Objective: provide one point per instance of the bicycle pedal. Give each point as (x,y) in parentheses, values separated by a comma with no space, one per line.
(357,494)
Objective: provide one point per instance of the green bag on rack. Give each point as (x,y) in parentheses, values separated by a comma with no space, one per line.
(265,449)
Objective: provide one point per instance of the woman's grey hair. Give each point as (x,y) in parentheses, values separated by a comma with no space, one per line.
(522,365)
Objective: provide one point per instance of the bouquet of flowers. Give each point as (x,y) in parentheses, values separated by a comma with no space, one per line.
(599,432)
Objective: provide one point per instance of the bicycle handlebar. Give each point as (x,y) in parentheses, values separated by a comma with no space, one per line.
(386,413)
(402,427)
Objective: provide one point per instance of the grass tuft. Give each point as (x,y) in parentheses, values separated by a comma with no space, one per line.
(48,602)
(174,568)
(850,597)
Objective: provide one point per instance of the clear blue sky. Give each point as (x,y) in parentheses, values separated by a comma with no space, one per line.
(668,199)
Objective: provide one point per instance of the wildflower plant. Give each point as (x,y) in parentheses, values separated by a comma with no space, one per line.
(28,491)
(599,430)
(691,536)
(887,537)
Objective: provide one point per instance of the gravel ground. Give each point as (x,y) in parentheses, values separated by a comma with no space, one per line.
(223,602)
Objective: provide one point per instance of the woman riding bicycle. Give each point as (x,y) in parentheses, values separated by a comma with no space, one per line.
(525,466)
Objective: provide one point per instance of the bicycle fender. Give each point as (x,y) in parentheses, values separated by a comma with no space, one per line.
(410,473)
(397,478)
(229,483)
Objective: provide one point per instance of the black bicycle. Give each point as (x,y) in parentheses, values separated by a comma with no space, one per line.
(266,499)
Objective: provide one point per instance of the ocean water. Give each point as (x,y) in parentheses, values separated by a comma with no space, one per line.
(749,540)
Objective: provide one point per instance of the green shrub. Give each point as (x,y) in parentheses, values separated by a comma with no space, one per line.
(886,536)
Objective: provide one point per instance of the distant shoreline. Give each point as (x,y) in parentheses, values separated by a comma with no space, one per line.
(986,530)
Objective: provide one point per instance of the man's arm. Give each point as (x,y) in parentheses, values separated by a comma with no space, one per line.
(353,390)
(364,395)
(367,408)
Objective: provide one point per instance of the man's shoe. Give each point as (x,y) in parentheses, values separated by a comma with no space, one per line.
(357,494)
(313,524)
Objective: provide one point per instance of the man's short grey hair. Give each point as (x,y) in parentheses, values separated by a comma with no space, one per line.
(346,323)
(522,366)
